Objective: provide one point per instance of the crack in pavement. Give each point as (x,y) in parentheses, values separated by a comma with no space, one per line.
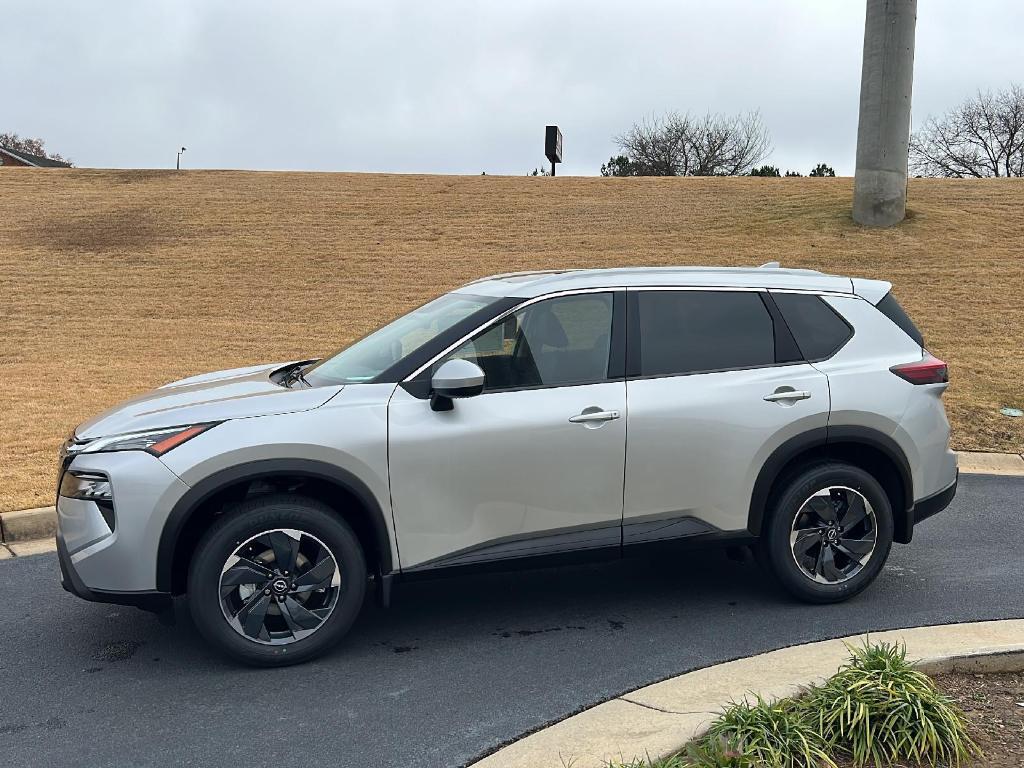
(665,711)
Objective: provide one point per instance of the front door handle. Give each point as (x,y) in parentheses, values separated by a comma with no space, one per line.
(787,394)
(591,415)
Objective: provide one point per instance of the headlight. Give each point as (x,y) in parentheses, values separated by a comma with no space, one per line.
(86,485)
(156,441)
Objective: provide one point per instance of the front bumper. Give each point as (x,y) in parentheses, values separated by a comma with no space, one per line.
(108,557)
(72,582)
(932,505)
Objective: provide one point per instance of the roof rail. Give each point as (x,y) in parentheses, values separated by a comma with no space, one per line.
(506,275)
(770,265)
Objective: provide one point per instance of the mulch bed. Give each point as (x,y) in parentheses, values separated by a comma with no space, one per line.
(994,703)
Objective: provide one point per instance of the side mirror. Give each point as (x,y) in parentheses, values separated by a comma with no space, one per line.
(455,378)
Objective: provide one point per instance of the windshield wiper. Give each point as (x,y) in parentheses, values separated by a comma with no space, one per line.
(293,374)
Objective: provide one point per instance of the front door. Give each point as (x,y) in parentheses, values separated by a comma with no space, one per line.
(534,464)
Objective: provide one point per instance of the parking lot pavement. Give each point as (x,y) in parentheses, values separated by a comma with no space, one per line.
(456,667)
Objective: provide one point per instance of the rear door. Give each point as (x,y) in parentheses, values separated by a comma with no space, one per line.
(715,383)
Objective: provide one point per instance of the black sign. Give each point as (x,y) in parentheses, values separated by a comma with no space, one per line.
(553,143)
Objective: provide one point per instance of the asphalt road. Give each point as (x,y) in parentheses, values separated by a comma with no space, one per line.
(457,667)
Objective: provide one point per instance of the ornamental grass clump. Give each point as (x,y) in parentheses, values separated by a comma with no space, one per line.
(760,735)
(881,710)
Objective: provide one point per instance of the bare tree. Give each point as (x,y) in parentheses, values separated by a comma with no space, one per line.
(676,144)
(982,137)
(30,146)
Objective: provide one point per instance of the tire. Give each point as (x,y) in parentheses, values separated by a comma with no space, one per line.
(327,576)
(822,560)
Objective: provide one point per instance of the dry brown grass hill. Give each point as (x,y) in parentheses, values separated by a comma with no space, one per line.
(115,281)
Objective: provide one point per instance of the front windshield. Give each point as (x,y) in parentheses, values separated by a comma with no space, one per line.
(369,357)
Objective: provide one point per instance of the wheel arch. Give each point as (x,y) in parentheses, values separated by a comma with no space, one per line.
(867,448)
(196,510)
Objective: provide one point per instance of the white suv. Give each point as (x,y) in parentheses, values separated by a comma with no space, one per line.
(517,420)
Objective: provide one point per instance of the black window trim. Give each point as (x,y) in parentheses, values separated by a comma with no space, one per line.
(417,383)
(783,334)
(837,313)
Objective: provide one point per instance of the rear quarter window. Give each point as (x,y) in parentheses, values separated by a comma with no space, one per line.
(891,308)
(818,329)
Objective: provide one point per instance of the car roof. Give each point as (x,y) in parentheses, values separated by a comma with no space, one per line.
(538,283)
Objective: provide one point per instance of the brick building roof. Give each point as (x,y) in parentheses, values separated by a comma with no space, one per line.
(34,160)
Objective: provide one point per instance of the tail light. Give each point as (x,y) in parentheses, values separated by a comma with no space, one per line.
(928,370)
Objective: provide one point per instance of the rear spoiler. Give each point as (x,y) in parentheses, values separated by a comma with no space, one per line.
(871,290)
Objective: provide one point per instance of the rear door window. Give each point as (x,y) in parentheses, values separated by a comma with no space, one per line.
(818,329)
(685,332)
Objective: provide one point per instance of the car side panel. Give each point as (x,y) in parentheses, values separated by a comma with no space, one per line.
(695,444)
(505,474)
(923,434)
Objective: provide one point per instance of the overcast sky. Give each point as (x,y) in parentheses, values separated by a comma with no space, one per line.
(458,87)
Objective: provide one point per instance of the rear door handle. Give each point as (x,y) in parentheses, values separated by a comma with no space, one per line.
(590,416)
(787,394)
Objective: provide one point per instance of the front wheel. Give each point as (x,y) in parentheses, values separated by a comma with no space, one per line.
(828,533)
(277,580)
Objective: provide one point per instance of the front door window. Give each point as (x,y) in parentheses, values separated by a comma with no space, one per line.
(557,342)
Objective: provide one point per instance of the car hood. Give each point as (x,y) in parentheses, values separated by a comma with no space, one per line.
(232,394)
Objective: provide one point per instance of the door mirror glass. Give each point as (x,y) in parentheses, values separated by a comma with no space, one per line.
(458,378)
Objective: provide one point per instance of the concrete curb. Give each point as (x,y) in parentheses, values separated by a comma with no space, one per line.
(984,463)
(28,524)
(27,548)
(656,721)
(41,523)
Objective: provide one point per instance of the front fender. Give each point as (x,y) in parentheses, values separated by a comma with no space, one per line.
(344,442)
(209,486)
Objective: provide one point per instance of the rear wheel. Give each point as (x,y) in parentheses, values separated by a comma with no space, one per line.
(277,580)
(829,532)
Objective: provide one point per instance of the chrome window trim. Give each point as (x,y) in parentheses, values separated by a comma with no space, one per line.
(497,319)
(609,289)
(812,292)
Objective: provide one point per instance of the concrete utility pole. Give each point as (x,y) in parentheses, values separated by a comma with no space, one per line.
(883,133)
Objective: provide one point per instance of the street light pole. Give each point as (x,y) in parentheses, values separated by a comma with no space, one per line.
(177,162)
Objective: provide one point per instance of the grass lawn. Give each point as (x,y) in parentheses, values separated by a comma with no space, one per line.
(113,282)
